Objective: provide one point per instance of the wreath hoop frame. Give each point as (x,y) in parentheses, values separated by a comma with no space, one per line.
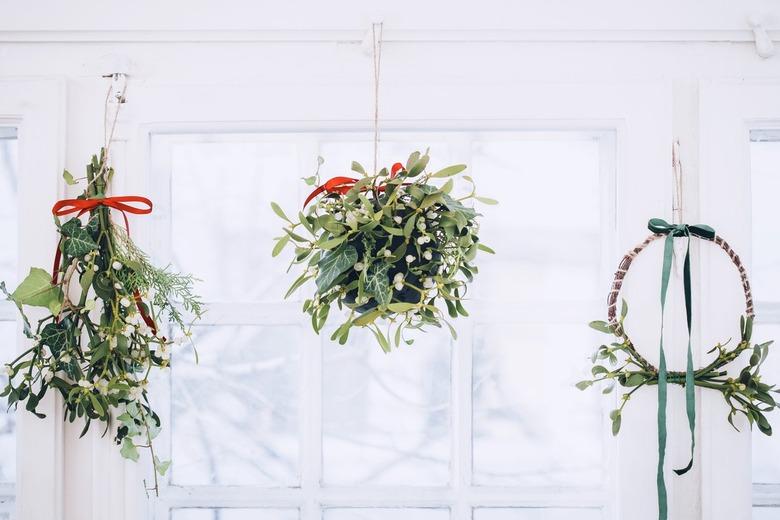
(676,377)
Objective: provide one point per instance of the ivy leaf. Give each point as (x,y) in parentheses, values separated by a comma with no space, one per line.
(129,451)
(378,282)
(54,335)
(79,243)
(333,264)
(161,465)
(457,207)
(37,290)
(70,226)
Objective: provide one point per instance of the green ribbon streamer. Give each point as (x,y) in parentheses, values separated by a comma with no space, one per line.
(671,231)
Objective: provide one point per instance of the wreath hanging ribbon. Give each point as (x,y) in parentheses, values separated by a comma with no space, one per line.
(661,227)
(342,185)
(124,204)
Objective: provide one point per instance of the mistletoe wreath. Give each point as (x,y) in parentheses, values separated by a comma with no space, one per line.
(386,246)
(745,394)
(100,341)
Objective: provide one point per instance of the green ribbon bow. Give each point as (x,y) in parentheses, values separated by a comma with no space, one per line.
(671,231)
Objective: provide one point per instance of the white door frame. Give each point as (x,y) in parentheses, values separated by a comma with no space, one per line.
(36,108)
(729,110)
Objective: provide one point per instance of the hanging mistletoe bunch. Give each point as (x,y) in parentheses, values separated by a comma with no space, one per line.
(387,246)
(99,341)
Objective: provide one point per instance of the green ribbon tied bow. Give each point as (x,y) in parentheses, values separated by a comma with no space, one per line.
(671,231)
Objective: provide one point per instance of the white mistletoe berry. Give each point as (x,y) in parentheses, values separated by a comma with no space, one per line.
(410,259)
(431,215)
(117,265)
(427,254)
(359,266)
(85,384)
(124,302)
(421,240)
(7,370)
(428,283)
(398,219)
(387,253)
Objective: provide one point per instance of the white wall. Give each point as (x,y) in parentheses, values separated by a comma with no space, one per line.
(437,53)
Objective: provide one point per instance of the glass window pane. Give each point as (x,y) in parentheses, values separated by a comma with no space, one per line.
(766,513)
(537,513)
(386,417)
(8,205)
(192,513)
(7,418)
(222,225)
(535,235)
(765,277)
(235,413)
(376,513)
(765,187)
(532,427)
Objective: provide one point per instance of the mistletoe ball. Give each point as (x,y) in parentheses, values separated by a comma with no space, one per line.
(389,248)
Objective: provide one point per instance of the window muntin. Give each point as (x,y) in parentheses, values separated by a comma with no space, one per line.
(410,414)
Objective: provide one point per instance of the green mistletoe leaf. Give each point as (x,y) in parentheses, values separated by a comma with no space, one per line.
(37,290)
(333,264)
(54,335)
(378,283)
(69,180)
(79,243)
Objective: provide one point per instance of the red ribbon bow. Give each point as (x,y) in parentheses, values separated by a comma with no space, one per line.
(342,185)
(81,206)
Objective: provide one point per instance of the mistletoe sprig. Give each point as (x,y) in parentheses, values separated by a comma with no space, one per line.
(99,343)
(619,362)
(388,246)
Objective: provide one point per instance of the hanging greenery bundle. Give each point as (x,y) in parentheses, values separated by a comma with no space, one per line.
(620,361)
(386,246)
(99,342)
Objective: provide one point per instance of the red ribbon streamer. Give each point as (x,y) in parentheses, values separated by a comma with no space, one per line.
(123,204)
(342,185)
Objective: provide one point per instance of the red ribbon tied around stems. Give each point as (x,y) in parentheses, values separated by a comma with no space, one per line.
(342,185)
(126,204)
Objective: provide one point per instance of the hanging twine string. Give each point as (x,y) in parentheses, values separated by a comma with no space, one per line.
(677,200)
(110,130)
(377,55)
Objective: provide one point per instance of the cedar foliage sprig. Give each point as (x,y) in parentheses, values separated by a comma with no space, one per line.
(389,249)
(94,347)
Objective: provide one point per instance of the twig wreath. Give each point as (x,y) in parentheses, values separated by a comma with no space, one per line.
(100,341)
(386,246)
(745,394)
